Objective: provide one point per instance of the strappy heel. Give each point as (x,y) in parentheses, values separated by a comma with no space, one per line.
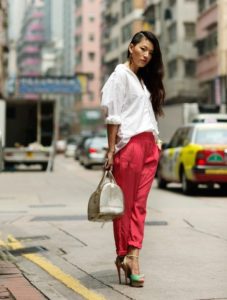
(136,280)
(119,266)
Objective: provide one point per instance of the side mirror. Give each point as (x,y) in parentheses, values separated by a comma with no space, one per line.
(165,146)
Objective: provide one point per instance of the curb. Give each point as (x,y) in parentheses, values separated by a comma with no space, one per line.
(13,284)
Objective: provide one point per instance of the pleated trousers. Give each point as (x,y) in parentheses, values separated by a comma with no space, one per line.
(134,170)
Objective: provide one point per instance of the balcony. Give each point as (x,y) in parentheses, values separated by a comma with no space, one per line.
(31,62)
(37,15)
(34,38)
(30,50)
(30,73)
(36,27)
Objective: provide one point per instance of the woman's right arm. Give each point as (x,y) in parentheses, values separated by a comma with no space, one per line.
(112,130)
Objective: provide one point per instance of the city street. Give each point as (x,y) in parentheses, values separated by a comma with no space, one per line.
(184,256)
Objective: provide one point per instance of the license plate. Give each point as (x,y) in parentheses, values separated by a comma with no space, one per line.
(29,154)
(216,172)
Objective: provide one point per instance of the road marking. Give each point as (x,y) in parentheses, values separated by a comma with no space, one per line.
(56,272)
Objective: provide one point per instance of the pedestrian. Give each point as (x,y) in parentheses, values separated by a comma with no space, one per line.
(133,97)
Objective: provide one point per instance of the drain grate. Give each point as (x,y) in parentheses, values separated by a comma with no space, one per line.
(156,223)
(59,218)
(47,205)
(13,212)
(33,238)
(27,250)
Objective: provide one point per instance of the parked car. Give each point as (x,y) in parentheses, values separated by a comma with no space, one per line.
(60,146)
(80,145)
(83,137)
(210,118)
(94,151)
(196,154)
(71,145)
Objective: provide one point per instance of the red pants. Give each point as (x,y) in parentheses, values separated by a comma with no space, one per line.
(134,170)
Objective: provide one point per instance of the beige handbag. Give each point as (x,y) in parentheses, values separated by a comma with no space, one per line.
(107,201)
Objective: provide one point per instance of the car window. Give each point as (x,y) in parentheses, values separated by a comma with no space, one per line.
(87,142)
(99,142)
(181,138)
(211,136)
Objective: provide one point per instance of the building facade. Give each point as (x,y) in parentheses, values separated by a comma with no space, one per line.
(121,19)
(32,39)
(87,50)
(3,46)
(177,34)
(211,32)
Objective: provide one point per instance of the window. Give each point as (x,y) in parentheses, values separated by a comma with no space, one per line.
(126,7)
(212,1)
(172,33)
(202,5)
(91,18)
(172,2)
(78,3)
(78,40)
(79,58)
(79,21)
(208,44)
(113,44)
(190,68)
(172,68)
(189,29)
(126,32)
(91,37)
(91,56)
(181,138)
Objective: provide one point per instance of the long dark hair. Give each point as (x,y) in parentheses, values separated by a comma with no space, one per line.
(152,74)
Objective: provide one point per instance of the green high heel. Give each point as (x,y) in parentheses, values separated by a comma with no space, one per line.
(136,280)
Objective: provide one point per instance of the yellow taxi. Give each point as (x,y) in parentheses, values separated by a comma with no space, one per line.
(196,154)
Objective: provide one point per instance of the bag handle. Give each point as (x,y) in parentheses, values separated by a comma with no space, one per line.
(111,177)
(109,174)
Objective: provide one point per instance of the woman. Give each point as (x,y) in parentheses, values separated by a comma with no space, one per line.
(133,97)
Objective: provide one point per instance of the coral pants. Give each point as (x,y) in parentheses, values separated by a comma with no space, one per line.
(134,170)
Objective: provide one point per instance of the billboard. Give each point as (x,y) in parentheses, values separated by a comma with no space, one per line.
(49,85)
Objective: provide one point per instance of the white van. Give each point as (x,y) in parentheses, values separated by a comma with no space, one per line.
(210,118)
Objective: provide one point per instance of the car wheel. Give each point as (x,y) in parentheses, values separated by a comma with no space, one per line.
(223,187)
(88,166)
(44,166)
(188,187)
(161,182)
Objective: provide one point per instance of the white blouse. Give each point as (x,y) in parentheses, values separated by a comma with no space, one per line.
(128,104)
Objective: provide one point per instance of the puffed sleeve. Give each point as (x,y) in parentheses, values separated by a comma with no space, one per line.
(113,95)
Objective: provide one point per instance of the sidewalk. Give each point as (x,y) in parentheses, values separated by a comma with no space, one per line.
(13,285)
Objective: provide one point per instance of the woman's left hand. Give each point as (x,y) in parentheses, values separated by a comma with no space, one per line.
(109,161)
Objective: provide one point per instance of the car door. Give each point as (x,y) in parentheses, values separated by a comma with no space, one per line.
(172,155)
(168,157)
(182,141)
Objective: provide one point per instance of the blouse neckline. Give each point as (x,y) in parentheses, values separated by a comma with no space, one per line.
(134,74)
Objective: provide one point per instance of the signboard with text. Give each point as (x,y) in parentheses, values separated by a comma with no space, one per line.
(49,85)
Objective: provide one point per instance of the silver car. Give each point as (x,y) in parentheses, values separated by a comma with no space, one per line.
(94,152)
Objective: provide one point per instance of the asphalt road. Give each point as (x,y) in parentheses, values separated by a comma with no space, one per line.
(184,256)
